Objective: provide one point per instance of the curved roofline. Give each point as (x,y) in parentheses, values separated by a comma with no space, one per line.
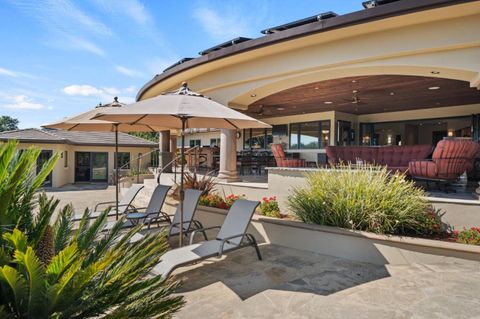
(358,17)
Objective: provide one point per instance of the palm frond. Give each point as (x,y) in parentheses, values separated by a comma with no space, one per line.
(63,227)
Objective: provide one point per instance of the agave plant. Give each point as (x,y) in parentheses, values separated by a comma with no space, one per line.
(206,183)
(51,269)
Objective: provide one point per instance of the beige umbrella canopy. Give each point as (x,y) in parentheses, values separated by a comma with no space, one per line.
(84,122)
(167,110)
(181,109)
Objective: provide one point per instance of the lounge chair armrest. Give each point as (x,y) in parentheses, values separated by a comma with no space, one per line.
(103,203)
(192,235)
(227,240)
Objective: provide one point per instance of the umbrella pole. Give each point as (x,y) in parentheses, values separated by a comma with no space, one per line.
(182,192)
(116,170)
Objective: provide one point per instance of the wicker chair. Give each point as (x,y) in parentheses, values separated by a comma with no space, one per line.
(282,160)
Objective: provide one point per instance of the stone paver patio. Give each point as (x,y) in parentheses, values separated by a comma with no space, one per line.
(291,283)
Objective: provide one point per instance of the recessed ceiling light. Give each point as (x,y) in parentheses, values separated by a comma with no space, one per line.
(435,72)
(328,102)
(280,108)
(316,88)
(354,81)
(354,91)
(253,95)
(434,88)
(294,106)
(392,93)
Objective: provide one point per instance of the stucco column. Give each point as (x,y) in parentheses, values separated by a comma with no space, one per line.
(164,154)
(228,156)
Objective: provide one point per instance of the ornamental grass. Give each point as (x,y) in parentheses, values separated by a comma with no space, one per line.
(368,198)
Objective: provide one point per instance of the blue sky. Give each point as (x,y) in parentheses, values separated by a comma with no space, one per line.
(61,57)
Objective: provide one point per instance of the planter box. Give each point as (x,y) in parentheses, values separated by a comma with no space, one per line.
(343,243)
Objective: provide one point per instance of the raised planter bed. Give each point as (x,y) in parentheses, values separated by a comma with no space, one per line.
(343,243)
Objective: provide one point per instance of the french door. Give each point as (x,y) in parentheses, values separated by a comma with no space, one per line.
(91,167)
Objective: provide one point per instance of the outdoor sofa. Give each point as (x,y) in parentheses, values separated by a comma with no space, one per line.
(396,158)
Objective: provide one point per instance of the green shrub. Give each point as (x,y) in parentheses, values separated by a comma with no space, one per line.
(50,270)
(367,198)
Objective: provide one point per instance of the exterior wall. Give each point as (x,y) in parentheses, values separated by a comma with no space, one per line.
(62,175)
(440,40)
(203,136)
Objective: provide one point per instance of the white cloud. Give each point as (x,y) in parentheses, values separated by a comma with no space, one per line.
(222,26)
(23,102)
(74,43)
(131,89)
(106,94)
(158,64)
(83,90)
(8,72)
(133,9)
(127,71)
(68,25)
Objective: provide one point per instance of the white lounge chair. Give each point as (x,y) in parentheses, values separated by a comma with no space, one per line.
(190,204)
(231,236)
(123,205)
(145,214)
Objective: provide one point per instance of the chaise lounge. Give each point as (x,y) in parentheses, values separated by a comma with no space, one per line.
(231,236)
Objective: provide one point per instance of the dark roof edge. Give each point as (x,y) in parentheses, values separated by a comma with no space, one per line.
(341,21)
(67,142)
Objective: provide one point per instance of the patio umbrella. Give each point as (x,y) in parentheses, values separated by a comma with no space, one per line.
(84,122)
(181,109)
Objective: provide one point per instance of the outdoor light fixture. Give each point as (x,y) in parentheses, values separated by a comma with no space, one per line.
(316,88)
(435,72)
(392,93)
(433,88)
(328,102)
(253,95)
(450,133)
(280,108)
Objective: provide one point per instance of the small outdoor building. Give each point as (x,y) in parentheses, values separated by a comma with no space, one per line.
(396,73)
(85,156)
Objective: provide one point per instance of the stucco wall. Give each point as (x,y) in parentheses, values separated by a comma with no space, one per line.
(62,175)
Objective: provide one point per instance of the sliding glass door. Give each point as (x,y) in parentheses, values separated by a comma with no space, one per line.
(91,167)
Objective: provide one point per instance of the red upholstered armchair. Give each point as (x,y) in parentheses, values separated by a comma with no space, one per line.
(450,159)
(282,160)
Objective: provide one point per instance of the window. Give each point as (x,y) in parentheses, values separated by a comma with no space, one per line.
(123,160)
(214,142)
(257,138)
(65,159)
(194,143)
(309,135)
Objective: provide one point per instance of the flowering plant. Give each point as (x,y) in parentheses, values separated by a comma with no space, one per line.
(467,236)
(269,207)
(215,200)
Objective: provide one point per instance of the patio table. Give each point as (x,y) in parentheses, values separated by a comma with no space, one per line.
(135,218)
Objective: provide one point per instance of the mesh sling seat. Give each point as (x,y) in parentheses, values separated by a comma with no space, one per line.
(282,160)
(190,204)
(124,204)
(153,211)
(450,159)
(231,236)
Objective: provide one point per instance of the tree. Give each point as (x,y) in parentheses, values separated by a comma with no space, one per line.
(150,136)
(8,123)
(51,269)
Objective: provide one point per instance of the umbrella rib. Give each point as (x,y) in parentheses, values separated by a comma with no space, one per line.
(231,124)
(139,119)
(150,128)
(73,127)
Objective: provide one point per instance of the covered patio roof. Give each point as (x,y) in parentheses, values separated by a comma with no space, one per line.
(365,95)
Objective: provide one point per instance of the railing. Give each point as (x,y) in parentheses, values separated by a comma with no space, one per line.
(173,163)
(138,159)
